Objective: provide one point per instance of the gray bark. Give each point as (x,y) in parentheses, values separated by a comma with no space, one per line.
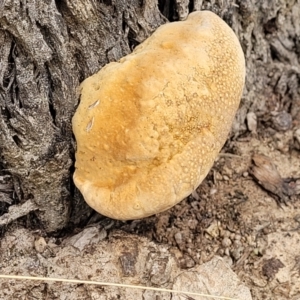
(48,47)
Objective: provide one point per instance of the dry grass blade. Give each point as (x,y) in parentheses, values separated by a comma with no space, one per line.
(75,281)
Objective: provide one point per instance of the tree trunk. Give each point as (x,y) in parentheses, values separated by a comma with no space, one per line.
(48,47)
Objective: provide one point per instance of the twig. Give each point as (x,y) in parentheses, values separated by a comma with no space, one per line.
(76,281)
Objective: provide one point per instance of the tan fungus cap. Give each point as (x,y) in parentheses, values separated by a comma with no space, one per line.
(149,127)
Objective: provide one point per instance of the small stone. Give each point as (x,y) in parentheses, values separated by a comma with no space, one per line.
(178,237)
(226,242)
(237,253)
(221,252)
(297,138)
(195,195)
(186,262)
(213,229)
(192,224)
(227,252)
(225,177)
(213,191)
(251,122)
(256,251)
(237,243)
(218,176)
(245,174)
(228,260)
(237,237)
(282,121)
(226,233)
(40,245)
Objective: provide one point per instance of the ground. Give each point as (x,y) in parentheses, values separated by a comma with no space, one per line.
(247,210)
(231,214)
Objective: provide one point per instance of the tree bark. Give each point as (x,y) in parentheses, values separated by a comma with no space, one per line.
(48,47)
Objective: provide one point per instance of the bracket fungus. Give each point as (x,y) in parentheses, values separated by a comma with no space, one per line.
(149,127)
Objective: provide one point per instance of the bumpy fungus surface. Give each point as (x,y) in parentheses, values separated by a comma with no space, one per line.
(149,127)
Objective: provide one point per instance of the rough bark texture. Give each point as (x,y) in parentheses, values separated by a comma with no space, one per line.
(48,47)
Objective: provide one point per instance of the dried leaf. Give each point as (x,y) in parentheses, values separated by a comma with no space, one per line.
(266,174)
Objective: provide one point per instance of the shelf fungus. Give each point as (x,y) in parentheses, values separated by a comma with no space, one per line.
(149,127)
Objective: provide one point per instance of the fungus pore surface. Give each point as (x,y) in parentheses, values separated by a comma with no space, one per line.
(149,127)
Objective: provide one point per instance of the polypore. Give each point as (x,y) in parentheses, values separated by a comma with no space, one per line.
(149,127)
